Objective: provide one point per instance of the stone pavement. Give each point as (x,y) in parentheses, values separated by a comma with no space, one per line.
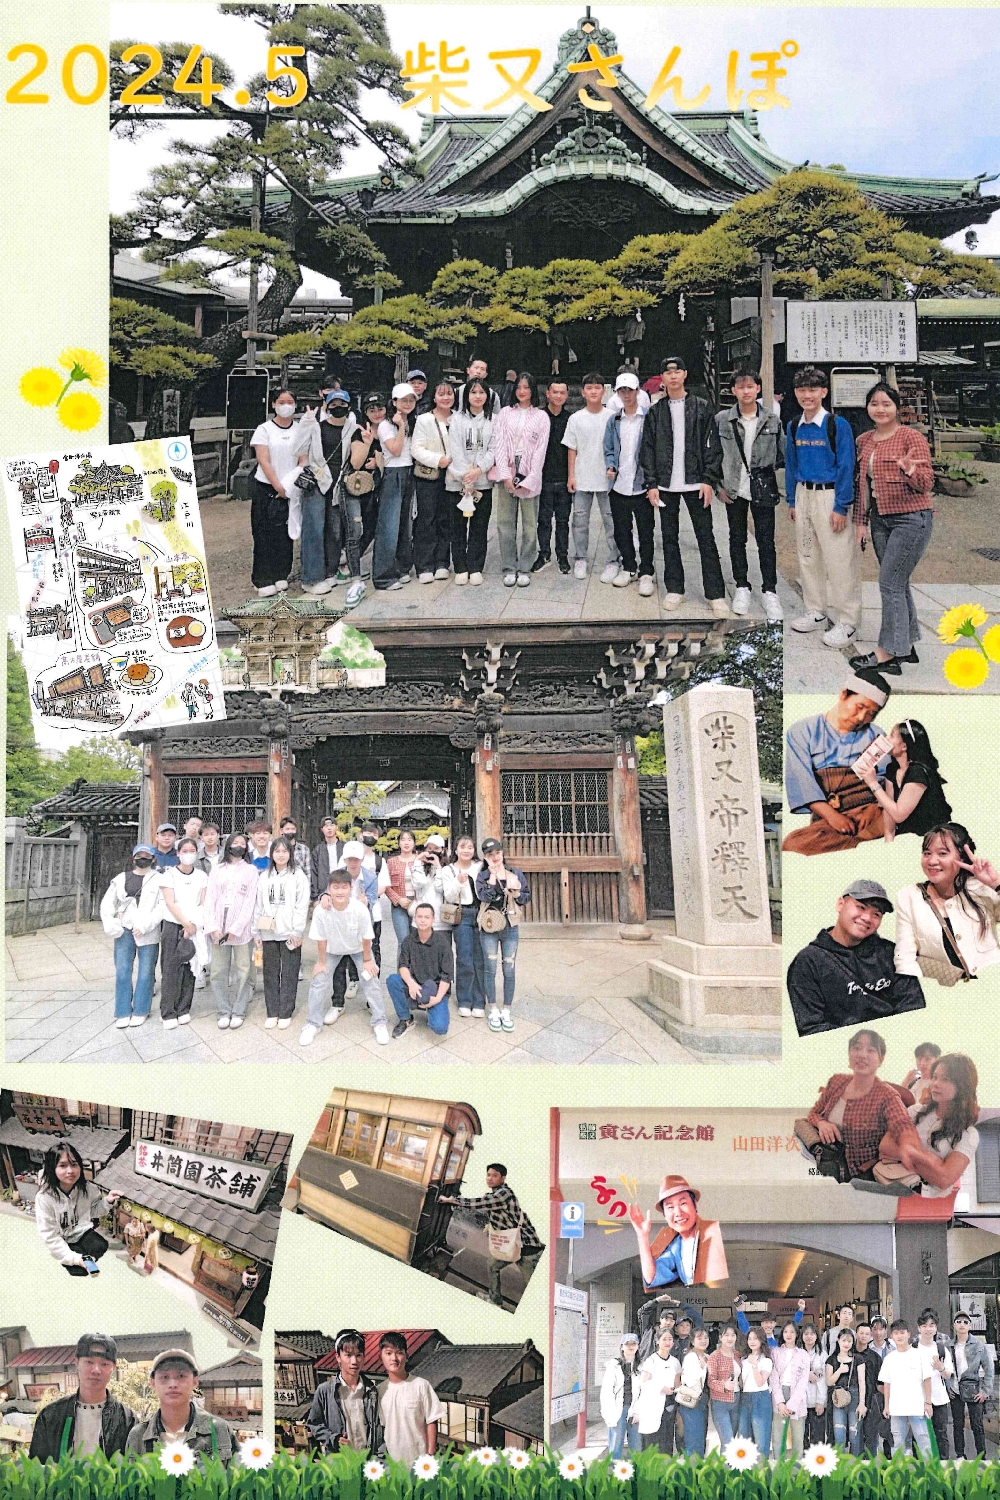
(572,1006)
(811,667)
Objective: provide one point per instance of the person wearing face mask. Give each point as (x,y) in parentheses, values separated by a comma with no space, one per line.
(279,925)
(324,519)
(230,900)
(182,935)
(131,913)
(275,444)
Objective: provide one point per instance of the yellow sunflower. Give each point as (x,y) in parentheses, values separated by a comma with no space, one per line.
(991,642)
(966,668)
(962,619)
(40,386)
(84,364)
(80,411)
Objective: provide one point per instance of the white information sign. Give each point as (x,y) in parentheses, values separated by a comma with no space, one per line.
(841,332)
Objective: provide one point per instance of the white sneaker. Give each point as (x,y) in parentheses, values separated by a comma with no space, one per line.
(184,1020)
(308,1034)
(223,1023)
(270,1023)
(425,578)
(333,1014)
(719,608)
(506,1019)
(772,608)
(284,1023)
(462,578)
(580,568)
(494,1020)
(138,1020)
(397,583)
(442,574)
(351,989)
(267,592)
(622,579)
(673,601)
(122,1022)
(610,573)
(235,1022)
(478,1014)
(805,623)
(355,593)
(509,580)
(646,586)
(323,587)
(465,1010)
(741,602)
(382,1035)
(839,635)
(475,579)
(170,1024)
(282,585)
(523,580)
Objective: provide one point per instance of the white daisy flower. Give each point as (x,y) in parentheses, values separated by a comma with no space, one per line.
(622,1469)
(256,1453)
(176,1458)
(373,1470)
(821,1458)
(426,1466)
(740,1453)
(572,1467)
(518,1458)
(485,1456)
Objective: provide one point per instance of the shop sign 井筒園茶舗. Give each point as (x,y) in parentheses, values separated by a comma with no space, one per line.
(243,1184)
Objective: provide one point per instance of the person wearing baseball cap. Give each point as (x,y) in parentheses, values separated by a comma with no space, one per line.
(131,913)
(164,842)
(323,522)
(689,1250)
(418,380)
(847,975)
(618,1388)
(627,493)
(819,754)
(392,555)
(174,1378)
(89,1420)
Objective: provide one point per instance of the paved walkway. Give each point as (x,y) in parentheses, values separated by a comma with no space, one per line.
(572,1006)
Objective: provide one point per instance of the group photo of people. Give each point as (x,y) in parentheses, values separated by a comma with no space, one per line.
(228,912)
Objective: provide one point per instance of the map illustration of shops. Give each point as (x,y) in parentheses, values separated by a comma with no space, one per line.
(116,627)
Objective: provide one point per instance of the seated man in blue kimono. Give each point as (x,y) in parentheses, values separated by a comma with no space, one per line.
(819,752)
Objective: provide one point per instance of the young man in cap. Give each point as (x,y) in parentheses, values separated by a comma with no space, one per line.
(768,1322)
(555,501)
(342,927)
(617,1390)
(326,528)
(681,458)
(426,974)
(128,914)
(174,1378)
(819,753)
(847,975)
(503,1211)
(971,1386)
(689,1250)
(392,555)
(819,488)
(753,444)
(345,1409)
(89,1420)
(164,843)
(627,496)
(587,477)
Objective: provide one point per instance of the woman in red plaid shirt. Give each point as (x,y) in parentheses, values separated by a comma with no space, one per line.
(855,1110)
(894,482)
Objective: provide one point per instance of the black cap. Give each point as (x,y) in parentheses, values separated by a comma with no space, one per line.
(673,362)
(490,846)
(98,1346)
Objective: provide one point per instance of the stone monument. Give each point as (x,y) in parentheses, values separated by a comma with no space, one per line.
(717,987)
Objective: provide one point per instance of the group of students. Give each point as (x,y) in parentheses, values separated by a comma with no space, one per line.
(863,1387)
(396,1418)
(213,907)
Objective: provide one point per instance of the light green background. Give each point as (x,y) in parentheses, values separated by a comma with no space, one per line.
(54,165)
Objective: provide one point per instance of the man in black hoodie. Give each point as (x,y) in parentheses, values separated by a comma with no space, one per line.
(847,976)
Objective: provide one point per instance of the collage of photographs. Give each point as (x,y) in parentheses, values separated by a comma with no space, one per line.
(524,595)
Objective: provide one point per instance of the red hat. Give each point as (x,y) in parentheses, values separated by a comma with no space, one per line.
(670,1187)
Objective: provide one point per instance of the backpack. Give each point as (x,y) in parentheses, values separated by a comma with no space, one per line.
(829,426)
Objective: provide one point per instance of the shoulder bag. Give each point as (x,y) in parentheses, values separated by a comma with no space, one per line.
(763,482)
(842,1394)
(505,1244)
(689,1395)
(451,912)
(949,970)
(429,471)
(491,919)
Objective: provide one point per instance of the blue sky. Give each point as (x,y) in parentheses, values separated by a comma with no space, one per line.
(904,91)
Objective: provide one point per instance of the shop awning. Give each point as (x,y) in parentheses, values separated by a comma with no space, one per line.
(44,1357)
(252,1235)
(96,1145)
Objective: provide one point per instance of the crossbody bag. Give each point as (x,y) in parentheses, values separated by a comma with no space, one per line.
(432,471)
(763,482)
(949,970)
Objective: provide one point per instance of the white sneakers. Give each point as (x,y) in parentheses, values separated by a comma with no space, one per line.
(772,608)
(461,579)
(308,1034)
(323,587)
(465,1010)
(673,601)
(805,623)
(610,572)
(270,1023)
(494,1021)
(719,608)
(382,1035)
(284,1023)
(622,579)
(506,1019)
(235,1022)
(509,580)
(223,1023)
(122,1022)
(138,1020)
(523,580)
(741,602)
(839,635)
(267,592)
(170,1024)
(333,1014)
(425,578)
(646,586)
(580,568)
(441,574)
(475,579)
(355,593)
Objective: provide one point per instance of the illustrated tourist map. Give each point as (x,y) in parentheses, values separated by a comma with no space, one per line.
(116,615)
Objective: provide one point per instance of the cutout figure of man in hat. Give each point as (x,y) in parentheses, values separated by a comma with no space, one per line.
(689,1250)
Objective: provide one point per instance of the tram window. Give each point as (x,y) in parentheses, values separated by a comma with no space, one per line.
(359,1137)
(405,1150)
(442,1156)
(455,1163)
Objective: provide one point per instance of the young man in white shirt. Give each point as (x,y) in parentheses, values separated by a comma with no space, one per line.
(343,929)
(906,1391)
(622,440)
(588,480)
(937,1362)
(409,1405)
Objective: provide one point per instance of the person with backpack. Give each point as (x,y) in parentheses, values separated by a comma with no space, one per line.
(819,488)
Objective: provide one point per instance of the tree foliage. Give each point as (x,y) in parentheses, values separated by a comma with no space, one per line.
(644,261)
(152,343)
(400,325)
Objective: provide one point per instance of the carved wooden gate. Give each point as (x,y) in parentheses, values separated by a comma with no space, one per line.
(557,829)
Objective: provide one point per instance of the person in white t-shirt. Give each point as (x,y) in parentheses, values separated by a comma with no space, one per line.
(906,1391)
(345,927)
(408,1404)
(944,1140)
(392,552)
(275,444)
(937,1362)
(654,1406)
(627,496)
(588,477)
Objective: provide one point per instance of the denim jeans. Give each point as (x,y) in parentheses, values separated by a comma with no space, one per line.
(494,943)
(725,1415)
(232,977)
(400,923)
(763,530)
(755,1418)
(583,504)
(392,530)
(370,988)
(713,582)
(437,1014)
(469,967)
(349,527)
(554,503)
(624,1432)
(312,544)
(695,1428)
(127,1001)
(900,542)
(902,1427)
(846,1427)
